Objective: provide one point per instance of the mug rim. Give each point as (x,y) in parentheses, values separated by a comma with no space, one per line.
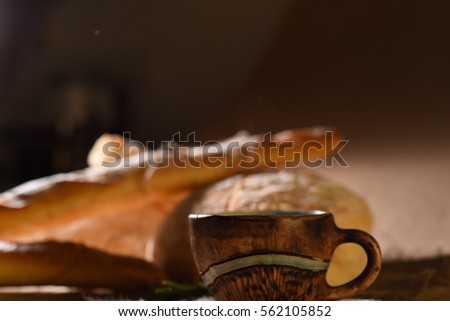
(276,213)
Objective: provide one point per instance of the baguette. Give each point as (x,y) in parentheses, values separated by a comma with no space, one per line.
(47,203)
(68,264)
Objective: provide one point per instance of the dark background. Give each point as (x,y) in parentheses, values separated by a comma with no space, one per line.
(72,70)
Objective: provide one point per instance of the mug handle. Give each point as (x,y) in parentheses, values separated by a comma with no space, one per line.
(367,276)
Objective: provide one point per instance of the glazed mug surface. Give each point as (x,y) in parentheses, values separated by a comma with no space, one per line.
(275,255)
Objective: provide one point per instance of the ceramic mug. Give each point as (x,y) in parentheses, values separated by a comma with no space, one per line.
(275,255)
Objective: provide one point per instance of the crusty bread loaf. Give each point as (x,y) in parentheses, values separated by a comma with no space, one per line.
(86,192)
(60,198)
(286,190)
(68,264)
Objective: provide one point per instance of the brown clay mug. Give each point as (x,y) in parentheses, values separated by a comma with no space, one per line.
(275,255)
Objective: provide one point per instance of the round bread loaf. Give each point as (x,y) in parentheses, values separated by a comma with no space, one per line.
(286,190)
